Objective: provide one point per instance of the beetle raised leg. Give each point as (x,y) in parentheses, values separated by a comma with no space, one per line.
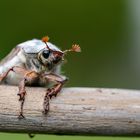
(60,81)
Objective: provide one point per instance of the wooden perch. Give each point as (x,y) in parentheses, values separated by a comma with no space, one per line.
(80,111)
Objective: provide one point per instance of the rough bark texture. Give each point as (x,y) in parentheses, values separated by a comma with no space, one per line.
(80,111)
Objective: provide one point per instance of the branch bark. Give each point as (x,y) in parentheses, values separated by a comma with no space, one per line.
(80,111)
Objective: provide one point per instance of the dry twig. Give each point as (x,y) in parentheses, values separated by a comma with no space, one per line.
(80,111)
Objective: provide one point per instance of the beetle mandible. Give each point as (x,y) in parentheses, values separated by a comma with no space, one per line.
(35,63)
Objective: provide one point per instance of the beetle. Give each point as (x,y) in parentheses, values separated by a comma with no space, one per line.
(35,63)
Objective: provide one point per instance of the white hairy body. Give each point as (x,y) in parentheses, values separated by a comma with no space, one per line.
(21,56)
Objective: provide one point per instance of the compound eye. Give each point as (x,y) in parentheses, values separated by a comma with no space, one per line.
(46,54)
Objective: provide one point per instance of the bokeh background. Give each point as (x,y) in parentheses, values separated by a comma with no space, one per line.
(108,32)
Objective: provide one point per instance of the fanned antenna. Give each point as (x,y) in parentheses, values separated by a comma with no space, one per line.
(75,48)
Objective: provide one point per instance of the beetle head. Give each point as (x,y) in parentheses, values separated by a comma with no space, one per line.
(51,57)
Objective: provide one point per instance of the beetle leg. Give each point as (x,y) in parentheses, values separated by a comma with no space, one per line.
(31,77)
(22,93)
(60,80)
(16,69)
(46,104)
(4,75)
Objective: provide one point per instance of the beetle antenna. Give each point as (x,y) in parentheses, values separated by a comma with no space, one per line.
(75,48)
(45,39)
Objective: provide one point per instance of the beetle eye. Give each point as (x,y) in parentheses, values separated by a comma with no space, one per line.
(46,53)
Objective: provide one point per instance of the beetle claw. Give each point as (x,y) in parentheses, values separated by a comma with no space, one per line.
(21,116)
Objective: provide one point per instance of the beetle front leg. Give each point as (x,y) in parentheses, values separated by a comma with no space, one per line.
(60,81)
(22,93)
(31,77)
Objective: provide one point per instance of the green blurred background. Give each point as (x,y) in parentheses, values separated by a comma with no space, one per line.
(107,30)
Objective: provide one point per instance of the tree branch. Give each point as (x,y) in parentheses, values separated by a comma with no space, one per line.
(80,111)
